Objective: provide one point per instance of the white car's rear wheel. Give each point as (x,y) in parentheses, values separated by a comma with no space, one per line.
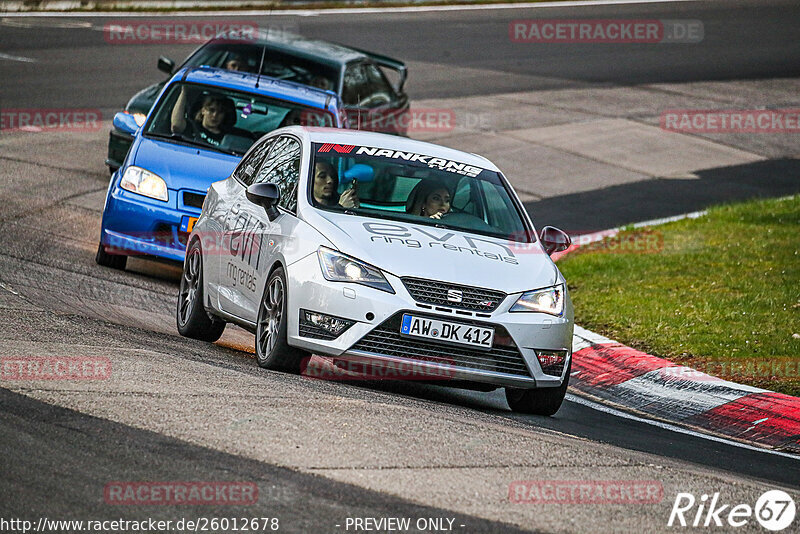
(191,316)
(542,401)
(272,349)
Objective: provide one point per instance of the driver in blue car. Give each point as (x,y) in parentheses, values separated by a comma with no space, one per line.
(429,198)
(214,118)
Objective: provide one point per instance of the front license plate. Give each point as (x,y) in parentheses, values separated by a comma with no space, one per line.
(460,334)
(187,224)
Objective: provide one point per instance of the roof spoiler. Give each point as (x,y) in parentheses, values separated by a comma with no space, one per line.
(389,63)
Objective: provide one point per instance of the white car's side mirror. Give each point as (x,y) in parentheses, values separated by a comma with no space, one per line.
(267,196)
(554,240)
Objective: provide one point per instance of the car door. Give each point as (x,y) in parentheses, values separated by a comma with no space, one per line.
(250,233)
(231,256)
(370,100)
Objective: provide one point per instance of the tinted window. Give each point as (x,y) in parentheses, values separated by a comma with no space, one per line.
(365,86)
(423,189)
(247,169)
(247,58)
(282,167)
(224,120)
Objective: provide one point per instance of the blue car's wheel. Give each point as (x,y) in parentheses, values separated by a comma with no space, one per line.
(191,316)
(115,261)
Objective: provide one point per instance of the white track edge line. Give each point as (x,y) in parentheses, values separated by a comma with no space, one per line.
(337,11)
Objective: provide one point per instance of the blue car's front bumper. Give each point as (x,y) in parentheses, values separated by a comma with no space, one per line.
(137,225)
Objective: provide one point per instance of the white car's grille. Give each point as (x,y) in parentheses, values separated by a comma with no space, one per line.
(504,356)
(437,293)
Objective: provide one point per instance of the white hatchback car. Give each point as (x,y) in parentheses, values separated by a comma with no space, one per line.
(366,246)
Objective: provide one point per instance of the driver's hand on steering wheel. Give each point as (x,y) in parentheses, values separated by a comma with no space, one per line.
(439,215)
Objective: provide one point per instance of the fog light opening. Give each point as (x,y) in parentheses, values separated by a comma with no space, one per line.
(329,323)
(552,361)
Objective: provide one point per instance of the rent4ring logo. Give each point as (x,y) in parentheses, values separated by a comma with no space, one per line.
(774,510)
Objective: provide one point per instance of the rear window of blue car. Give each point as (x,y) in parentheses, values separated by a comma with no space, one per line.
(282,66)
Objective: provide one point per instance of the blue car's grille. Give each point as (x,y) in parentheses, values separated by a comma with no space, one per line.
(195,200)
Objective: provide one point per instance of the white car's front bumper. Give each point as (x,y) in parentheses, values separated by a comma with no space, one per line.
(375,333)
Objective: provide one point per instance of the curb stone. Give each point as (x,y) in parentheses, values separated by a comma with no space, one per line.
(616,374)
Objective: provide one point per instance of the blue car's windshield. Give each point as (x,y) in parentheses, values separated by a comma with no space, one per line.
(222,119)
(425,189)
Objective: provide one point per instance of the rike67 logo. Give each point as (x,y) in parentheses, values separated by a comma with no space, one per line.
(775,510)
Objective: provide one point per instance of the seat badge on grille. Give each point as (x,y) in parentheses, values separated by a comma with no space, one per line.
(454,295)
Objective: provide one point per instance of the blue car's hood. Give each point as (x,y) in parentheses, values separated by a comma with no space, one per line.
(183,167)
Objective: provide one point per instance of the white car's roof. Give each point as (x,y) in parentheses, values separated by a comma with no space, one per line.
(372,139)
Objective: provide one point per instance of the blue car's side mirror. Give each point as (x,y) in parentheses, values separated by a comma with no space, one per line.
(125,122)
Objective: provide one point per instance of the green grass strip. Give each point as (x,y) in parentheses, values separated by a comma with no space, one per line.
(720,293)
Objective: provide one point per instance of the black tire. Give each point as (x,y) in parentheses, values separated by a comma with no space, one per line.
(190,315)
(542,401)
(272,349)
(115,261)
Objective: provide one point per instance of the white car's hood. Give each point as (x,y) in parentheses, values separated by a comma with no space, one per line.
(422,251)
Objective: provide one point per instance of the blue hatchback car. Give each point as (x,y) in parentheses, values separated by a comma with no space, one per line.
(203,122)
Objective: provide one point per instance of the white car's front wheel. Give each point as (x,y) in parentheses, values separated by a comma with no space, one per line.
(272,350)
(542,401)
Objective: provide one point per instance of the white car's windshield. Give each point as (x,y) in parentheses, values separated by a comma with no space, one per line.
(425,189)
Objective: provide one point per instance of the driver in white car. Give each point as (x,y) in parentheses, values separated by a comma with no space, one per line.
(326,185)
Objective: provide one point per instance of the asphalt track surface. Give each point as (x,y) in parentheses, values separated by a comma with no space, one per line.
(61,445)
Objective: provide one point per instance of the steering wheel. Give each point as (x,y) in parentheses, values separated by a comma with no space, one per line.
(466,220)
(375,100)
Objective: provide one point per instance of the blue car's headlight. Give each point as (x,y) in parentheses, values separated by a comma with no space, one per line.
(144,182)
(337,267)
(548,300)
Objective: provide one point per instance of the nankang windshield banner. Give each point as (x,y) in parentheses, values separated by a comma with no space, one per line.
(413,158)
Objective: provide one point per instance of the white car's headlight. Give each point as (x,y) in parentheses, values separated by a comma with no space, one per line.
(337,267)
(549,300)
(145,183)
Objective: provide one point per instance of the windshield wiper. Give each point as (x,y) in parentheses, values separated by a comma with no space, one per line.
(175,137)
(191,142)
